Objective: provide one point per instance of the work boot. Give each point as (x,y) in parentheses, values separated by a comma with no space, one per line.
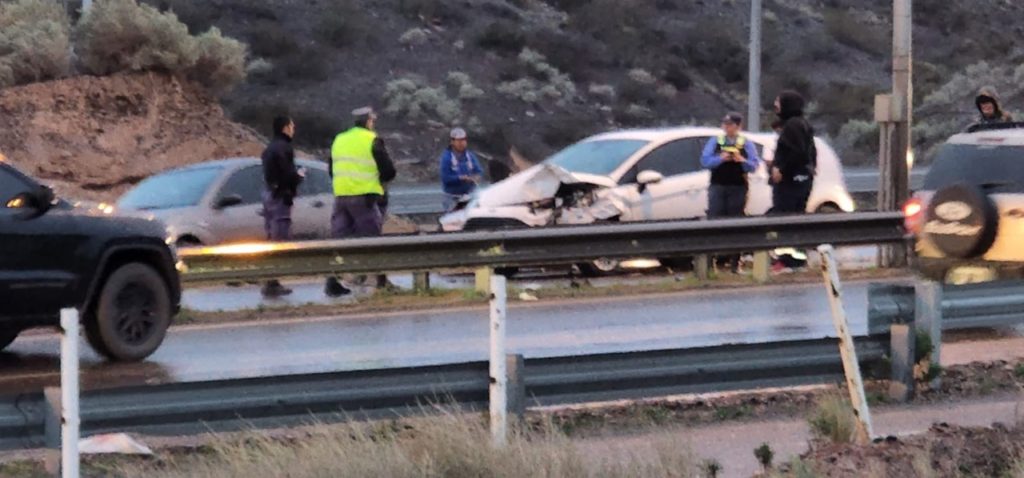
(334,288)
(273,289)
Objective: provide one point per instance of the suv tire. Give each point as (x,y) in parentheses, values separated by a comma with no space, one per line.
(962,221)
(132,314)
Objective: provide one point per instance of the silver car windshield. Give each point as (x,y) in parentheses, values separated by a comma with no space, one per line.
(600,157)
(169,190)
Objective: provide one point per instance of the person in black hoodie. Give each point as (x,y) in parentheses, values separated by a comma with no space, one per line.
(792,172)
(282,180)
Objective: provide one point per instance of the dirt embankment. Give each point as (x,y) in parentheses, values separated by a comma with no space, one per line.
(92,138)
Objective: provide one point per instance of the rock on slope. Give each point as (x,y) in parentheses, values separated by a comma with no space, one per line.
(92,138)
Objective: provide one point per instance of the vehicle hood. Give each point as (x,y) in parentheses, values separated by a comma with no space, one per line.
(106,220)
(539,182)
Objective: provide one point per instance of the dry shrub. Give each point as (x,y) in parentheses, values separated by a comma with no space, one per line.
(121,35)
(452,445)
(833,419)
(34,42)
(220,61)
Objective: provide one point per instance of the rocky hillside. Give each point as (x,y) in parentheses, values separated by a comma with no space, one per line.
(541,74)
(91,138)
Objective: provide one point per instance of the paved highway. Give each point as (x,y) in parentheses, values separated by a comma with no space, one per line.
(691,319)
(428,199)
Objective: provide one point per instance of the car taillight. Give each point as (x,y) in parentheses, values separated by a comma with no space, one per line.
(913,215)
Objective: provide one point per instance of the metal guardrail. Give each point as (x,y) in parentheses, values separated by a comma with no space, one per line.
(542,246)
(992,304)
(227,405)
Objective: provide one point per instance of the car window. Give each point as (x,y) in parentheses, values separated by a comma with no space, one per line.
(174,189)
(247,183)
(681,156)
(11,185)
(317,182)
(998,168)
(600,157)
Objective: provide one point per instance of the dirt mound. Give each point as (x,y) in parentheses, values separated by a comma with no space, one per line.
(92,137)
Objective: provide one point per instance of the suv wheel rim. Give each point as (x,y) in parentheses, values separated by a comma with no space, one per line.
(606,265)
(136,314)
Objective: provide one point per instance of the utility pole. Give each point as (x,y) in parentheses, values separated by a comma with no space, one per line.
(895,114)
(754,92)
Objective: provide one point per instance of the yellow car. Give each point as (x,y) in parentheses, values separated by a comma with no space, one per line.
(969,216)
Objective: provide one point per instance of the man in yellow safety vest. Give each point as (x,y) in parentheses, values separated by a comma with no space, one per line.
(360,167)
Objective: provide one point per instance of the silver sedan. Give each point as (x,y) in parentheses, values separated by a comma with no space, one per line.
(219,202)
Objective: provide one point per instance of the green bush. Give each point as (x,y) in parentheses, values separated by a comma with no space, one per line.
(121,35)
(34,41)
(220,61)
(502,36)
(833,419)
(411,99)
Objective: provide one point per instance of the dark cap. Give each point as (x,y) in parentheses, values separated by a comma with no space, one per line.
(733,117)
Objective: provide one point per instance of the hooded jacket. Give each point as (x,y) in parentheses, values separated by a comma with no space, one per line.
(988,94)
(795,154)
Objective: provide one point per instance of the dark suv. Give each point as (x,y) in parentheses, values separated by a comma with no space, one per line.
(969,217)
(118,272)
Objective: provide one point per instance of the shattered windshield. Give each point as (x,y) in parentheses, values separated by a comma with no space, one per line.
(601,157)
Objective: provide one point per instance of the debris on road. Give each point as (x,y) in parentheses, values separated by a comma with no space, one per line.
(113,443)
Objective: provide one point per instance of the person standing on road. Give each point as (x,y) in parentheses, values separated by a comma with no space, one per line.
(987,103)
(360,167)
(730,157)
(793,169)
(281,179)
(461,172)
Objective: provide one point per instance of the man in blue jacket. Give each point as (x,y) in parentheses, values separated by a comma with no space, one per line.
(460,169)
(730,157)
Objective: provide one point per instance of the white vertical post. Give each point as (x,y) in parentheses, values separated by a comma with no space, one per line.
(499,371)
(928,318)
(69,393)
(847,351)
(754,79)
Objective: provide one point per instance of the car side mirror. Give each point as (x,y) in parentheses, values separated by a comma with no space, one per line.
(227,201)
(648,177)
(33,203)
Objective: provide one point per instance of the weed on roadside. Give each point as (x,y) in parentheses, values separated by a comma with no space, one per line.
(833,419)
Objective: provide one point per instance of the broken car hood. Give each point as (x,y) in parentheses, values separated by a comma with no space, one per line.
(537,183)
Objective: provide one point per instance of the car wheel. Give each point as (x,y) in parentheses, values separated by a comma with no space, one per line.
(187,242)
(508,272)
(828,208)
(132,314)
(598,267)
(7,336)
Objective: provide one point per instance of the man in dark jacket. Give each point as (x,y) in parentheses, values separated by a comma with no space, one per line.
(795,158)
(792,171)
(987,102)
(281,179)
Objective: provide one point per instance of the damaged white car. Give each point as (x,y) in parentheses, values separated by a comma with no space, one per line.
(633,175)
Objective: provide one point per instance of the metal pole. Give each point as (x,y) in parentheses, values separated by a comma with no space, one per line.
(499,371)
(928,318)
(854,381)
(754,92)
(69,392)
(895,169)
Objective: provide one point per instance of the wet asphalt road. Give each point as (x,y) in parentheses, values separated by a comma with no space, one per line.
(690,319)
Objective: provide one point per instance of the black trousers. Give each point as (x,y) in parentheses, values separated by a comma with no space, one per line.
(727,201)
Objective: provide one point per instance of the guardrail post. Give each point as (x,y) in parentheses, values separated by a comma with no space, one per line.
(498,365)
(762,267)
(51,429)
(928,317)
(482,279)
(516,386)
(854,381)
(702,266)
(421,281)
(902,342)
(69,393)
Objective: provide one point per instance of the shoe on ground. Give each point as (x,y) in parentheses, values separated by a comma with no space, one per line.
(273,289)
(779,267)
(334,288)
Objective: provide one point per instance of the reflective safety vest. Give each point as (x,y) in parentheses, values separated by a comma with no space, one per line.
(741,142)
(355,171)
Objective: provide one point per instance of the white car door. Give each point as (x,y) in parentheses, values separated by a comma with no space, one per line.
(682,194)
(311,216)
(240,222)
